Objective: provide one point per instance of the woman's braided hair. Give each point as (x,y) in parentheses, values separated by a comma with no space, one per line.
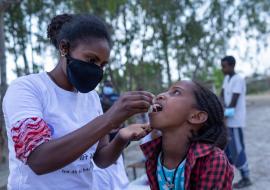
(214,130)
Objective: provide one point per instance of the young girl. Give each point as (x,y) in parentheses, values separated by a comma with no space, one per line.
(189,155)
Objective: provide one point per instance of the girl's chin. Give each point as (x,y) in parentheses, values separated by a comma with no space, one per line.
(156,125)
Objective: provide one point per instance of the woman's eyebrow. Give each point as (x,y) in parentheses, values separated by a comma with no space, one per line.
(91,53)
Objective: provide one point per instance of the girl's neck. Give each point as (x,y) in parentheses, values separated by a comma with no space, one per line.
(175,144)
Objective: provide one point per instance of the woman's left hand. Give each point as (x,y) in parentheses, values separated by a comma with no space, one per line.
(134,132)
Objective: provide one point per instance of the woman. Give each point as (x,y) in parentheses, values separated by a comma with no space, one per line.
(54,120)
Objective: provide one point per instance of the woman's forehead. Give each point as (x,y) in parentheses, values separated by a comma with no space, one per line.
(94,45)
(97,47)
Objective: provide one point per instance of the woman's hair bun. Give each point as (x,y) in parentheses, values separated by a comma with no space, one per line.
(55,26)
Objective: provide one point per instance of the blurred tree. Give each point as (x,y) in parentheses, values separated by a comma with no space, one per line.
(4,7)
(191,34)
(25,24)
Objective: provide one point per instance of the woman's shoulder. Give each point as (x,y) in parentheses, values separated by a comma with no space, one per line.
(26,85)
(93,97)
(32,80)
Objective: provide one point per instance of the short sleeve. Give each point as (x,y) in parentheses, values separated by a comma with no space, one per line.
(22,100)
(27,135)
(22,107)
(238,85)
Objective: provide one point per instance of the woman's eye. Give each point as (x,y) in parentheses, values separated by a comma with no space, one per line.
(102,66)
(91,60)
(94,61)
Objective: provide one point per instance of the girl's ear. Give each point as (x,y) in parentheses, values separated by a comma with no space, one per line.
(198,117)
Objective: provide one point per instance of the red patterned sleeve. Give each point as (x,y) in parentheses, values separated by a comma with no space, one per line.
(27,135)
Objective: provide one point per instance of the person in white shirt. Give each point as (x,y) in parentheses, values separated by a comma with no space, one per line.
(233,95)
(55,124)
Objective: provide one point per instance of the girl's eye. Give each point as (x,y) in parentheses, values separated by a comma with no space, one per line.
(176,92)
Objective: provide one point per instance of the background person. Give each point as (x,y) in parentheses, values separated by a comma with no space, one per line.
(233,95)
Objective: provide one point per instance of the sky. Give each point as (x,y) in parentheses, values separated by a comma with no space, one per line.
(237,48)
(260,61)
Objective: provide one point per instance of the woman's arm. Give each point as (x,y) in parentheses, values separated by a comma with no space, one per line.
(57,153)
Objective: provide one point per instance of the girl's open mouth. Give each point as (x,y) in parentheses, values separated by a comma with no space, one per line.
(155,108)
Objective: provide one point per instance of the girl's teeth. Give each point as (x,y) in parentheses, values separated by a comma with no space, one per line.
(152,108)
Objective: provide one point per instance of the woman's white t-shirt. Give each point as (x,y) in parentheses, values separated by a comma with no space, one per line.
(113,177)
(36,95)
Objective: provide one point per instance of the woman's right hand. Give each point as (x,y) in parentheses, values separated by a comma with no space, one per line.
(127,105)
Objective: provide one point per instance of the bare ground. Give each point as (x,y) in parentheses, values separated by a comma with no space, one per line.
(257,139)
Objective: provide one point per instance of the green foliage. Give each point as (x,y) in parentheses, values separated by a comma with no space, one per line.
(218,78)
(147,35)
(25,27)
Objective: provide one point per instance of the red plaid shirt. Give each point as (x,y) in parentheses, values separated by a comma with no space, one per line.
(207,167)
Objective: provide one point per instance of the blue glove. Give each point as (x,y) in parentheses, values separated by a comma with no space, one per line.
(229,112)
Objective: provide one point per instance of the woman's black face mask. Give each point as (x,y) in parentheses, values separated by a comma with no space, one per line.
(82,75)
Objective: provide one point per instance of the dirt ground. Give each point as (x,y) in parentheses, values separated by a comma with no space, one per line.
(257,142)
(257,139)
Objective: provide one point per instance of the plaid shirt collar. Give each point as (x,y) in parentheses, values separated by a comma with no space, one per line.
(152,149)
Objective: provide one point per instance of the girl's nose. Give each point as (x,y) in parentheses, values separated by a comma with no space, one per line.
(160,96)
